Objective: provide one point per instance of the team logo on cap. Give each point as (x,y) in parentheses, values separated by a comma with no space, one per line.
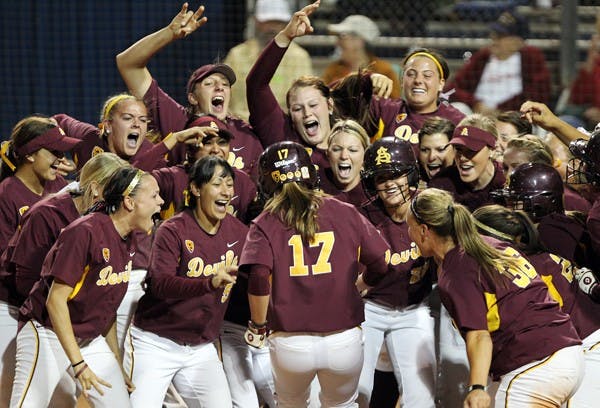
(383,156)
(189,245)
(400,117)
(465,132)
(106,254)
(62,132)
(213,125)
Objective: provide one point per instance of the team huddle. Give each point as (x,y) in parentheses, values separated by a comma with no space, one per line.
(352,250)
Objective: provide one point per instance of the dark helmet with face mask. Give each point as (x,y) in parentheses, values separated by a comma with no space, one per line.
(285,162)
(535,188)
(585,166)
(389,157)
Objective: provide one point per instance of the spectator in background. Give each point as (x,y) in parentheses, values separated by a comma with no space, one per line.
(584,101)
(355,35)
(270,17)
(505,74)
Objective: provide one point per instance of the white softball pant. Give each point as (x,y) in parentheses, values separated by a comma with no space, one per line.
(409,338)
(335,358)
(128,305)
(8,335)
(588,393)
(42,363)
(155,361)
(248,369)
(544,383)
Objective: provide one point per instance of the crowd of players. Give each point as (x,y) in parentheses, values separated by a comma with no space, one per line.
(302,257)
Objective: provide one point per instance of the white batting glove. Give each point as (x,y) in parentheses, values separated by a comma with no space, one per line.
(587,280)
(256,334)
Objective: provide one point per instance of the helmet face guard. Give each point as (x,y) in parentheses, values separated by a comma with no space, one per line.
(283,163)
(584,168)
(389,158)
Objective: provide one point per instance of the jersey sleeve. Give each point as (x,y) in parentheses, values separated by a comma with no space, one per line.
(70,256)
(257,249)
(374,251)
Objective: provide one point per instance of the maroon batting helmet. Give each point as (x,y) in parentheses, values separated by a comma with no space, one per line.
(535,188)
(285,162)
(585,166)
(389,156)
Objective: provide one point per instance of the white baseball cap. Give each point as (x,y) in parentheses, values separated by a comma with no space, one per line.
(357,24)
(272,10)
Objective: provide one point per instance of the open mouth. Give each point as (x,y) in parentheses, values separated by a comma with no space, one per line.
(132,140)
(222,205)
(218,102)
(434,168)
(419,91)
(311,126)
(344,170)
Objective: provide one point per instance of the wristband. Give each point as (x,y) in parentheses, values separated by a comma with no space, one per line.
(474,387)
(78,373)
(76,364)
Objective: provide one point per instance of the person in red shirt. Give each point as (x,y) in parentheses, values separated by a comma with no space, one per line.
(68,322)
(302,276)
(513,330)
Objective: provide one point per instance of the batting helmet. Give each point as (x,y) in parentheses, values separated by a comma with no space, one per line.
(585,166)
(535,188)
(285,162)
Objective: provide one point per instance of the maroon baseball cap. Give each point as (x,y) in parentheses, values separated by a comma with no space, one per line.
(54,140)
(206,70)
(472,138)
(213,122)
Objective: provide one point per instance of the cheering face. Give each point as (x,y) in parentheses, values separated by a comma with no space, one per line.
(212,95)
(346,154)
(147,202)
(45,164)
(309,111)
(421,84)
(127,128)
(393,189)
(214,197)
(435,154)
(473,165)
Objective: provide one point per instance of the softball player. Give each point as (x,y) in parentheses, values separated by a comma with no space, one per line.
(565,284)
(208,91)
(215,141)
(68,321)
(188,285)
(397,310)
(512,328)
(28,172)
(297,254)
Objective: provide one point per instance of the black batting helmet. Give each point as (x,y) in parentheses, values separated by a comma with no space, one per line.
(285,162)
(389,156)
(535,188)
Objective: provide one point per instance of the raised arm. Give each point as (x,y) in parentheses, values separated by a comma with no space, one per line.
(133,61)
(539,114)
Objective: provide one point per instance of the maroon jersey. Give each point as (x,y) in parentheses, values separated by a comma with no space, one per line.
(357,196)
(566,236)
(268,120)
(524,322)
(174,182)
(313,285)
(557,273)
(147,158)
(169,116)
(575,202)
(401,122)
(180,302)
(15,199)
(38,231)
(91,257)
(593,225)
(409,276)
(449,180)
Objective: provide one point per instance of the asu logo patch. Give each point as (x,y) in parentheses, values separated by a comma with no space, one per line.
(189,245)
(23,209)
(400,117)
(106,254)
(465,132)
(97,150)
(383,156)
(213,125)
